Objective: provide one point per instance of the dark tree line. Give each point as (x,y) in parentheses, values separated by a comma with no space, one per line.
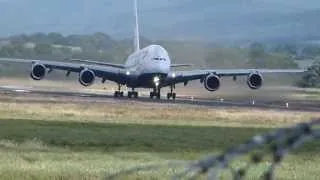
(97,40)
(57,46)
(299,51)
(99,46)
(259,57)
(311,78)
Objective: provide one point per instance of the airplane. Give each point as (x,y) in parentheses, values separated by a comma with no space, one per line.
(149,67)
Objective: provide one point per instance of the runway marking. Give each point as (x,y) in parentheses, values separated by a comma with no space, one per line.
(21,90)
(85,95)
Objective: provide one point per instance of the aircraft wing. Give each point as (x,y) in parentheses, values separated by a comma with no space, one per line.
(105,72)
(100,63)
(189,75)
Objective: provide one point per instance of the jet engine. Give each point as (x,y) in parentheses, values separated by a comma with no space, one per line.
(255,80)
(212,82)
(38,71)
(86,77)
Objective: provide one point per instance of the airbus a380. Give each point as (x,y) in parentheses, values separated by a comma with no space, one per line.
(149,67)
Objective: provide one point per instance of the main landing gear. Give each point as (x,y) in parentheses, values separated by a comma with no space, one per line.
(118,93)
(171,94)
(155,93)
(132,94)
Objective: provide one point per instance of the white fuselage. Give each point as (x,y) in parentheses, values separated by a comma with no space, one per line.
(153,59)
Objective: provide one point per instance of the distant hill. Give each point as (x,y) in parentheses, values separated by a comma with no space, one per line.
(212,20)
(100,46)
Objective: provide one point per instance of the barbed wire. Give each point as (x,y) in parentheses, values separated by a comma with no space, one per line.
(279,143)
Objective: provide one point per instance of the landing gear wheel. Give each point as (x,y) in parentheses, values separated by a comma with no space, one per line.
(118,94)
(155,93)
(129,94)
(135,94)
(171,95)
(132,94)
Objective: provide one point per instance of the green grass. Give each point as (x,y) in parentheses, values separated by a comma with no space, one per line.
(61,147)
(118,137)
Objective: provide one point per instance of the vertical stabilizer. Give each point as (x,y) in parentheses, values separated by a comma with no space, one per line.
(136,28)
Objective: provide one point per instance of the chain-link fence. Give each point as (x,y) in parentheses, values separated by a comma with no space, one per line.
(277,144)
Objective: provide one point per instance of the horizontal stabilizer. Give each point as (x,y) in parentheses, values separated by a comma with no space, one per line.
(180,65)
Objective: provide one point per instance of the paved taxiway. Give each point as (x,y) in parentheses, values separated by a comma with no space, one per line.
(108,98)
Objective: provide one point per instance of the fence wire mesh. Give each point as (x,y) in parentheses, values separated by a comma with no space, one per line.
(277,143)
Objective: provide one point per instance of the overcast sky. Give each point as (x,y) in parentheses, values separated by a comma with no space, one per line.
(115,16)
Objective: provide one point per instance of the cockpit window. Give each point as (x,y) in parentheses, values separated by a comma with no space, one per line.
(159,59)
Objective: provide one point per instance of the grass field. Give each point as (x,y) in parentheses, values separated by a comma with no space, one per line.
(88,141)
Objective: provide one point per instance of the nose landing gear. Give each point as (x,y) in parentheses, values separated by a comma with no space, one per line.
(132,94)
(155,93)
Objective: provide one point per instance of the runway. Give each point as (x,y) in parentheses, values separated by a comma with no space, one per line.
(72,96)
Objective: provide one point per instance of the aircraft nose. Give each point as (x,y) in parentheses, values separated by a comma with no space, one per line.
(164,68)
(160,66)
(159,60)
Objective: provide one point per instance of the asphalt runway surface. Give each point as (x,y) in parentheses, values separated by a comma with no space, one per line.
(181,100)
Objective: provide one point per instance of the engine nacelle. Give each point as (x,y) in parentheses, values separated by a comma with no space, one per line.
(86,77)
(255,80)
(212,82)
(38,71)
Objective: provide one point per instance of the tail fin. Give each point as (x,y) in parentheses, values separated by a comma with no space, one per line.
(136,35)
